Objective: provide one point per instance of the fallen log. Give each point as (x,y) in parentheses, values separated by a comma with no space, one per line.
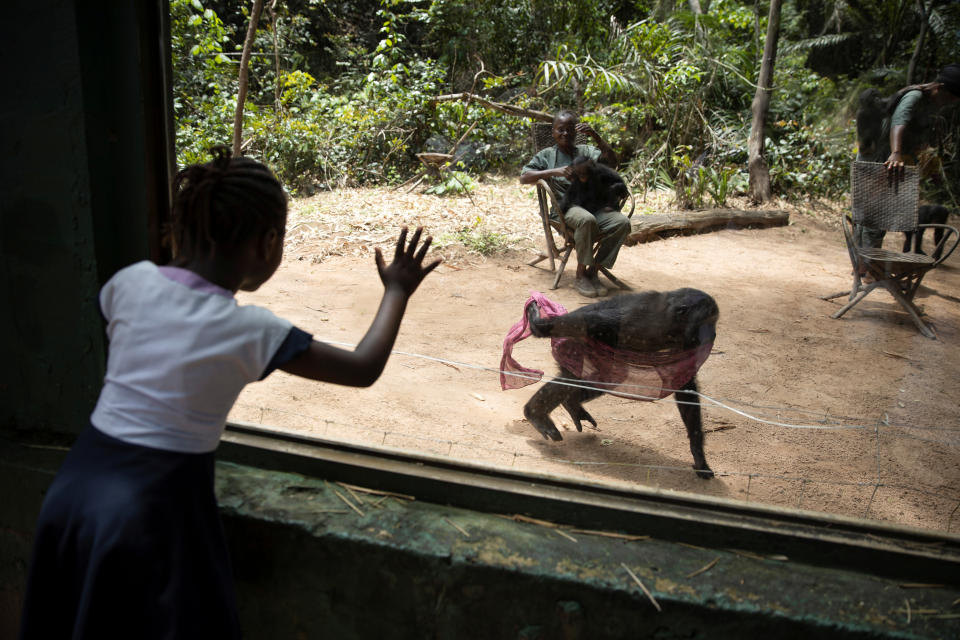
(656,227)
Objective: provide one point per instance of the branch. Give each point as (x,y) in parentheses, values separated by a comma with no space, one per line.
(509,109)
(244,73)
(476,76)
(463,137)
(912,66)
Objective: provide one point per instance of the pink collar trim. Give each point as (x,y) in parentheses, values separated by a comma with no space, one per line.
(193,281)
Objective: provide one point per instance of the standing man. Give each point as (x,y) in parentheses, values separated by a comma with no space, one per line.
(608,225)
(906,130)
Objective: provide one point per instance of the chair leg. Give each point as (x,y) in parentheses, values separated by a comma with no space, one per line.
(543,256)
(839,294)
(563,263)
(615,280)
(894,289)
(853,302)
(857,282)
(551,246)
(851,292)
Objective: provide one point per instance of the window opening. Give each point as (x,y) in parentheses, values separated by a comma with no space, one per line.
(853,417)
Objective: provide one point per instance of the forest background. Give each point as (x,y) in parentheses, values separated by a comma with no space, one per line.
(348,92)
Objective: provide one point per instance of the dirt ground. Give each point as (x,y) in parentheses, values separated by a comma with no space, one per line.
(856,416)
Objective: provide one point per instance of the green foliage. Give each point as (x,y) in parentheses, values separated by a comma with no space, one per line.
(669,89)
(347,97)
(476,238)
(589,76)
(204,94)
(452,183)
(504,138)
(515,36)
(695,181)
(721,182)
(806,160)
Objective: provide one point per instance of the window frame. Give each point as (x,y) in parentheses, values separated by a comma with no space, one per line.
(810,537)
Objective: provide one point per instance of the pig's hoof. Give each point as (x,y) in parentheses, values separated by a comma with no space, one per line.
(578,413)
(706,473)
(583,415)
(549,431)
(544,425)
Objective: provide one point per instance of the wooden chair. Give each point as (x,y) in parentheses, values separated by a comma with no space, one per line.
(548,200)
(890,205)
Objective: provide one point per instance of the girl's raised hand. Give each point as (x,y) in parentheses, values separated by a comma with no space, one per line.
(406,270)
(362,366)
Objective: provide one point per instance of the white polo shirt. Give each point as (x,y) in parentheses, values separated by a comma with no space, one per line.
(181,350)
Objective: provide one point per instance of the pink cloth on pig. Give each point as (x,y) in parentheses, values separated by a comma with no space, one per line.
(623,372)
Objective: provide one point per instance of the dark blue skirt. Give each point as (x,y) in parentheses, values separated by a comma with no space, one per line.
(129,544)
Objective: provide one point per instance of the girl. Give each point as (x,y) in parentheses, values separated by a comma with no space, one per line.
(129,542)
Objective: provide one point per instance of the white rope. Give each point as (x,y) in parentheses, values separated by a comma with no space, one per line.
(839,426)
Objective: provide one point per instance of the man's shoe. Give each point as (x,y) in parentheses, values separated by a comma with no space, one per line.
(585,287)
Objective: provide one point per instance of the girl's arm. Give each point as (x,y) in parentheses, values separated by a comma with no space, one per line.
(362,366)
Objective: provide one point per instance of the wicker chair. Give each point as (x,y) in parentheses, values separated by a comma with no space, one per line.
(891,205)
(542,134)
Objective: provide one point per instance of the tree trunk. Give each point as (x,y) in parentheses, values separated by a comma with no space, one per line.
(276,56)
(912,67)
(699,9)
(759,171)
(244,73)
(656,227)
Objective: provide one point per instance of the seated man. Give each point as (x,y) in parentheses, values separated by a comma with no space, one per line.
(609,226)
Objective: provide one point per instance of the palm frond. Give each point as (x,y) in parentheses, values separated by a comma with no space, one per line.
(819,42)
(596,77)
(941,29)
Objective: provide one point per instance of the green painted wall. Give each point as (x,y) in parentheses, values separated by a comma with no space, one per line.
(84,147)
(52,346)
(308,566)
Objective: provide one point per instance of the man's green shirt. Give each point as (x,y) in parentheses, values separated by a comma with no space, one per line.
(553,157)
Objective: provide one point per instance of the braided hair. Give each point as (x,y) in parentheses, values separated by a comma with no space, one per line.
(224,203)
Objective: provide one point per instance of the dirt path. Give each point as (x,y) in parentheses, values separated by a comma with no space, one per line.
(778,357)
